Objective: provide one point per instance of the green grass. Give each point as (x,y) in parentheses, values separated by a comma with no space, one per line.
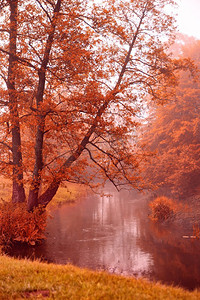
(21,279)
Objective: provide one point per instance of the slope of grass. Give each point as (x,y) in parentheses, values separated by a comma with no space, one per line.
(21,279)
(67,193)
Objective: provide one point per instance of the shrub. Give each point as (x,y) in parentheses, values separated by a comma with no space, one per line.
(162,208)
(19,225)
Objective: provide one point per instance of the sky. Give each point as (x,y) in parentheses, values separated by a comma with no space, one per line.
(188,19)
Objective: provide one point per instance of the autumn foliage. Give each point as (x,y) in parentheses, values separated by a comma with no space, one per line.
(173,136)
(76,76)
(19,225)
(162,208)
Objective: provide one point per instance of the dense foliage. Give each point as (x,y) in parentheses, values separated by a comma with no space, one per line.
(173,135)
(75,79)
(162,208)
(19,225)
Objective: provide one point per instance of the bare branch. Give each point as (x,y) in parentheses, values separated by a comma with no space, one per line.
(35,51)
(123,70)
(45,11)
(102,168)
(51,3)
(19,59)
(55,158)
(6,145)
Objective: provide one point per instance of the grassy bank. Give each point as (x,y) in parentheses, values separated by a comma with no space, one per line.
(67,193)
(21,279)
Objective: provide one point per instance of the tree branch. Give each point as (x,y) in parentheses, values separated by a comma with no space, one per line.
(102,168)
(6,145)
(19,59)
(45,11)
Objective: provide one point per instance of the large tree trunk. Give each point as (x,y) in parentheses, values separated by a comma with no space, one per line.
(38,167)
(48,195)
(36,182)
(18,193)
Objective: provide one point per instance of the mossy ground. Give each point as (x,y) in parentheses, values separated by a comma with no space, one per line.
(22,279)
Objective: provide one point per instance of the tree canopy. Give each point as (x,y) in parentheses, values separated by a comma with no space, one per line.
(75,80)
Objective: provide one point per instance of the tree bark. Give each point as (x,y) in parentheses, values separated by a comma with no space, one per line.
(36,182)
(48,195)
(18,193)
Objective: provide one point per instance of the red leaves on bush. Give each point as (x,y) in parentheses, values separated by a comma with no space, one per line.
(17,224)
(162,208)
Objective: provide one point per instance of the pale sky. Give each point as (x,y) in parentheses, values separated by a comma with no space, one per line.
(189,17)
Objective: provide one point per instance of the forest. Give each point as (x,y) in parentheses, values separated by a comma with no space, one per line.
(172,132)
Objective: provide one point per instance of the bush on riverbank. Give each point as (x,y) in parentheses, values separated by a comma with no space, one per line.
(162,208)
(19,225)
(21,279)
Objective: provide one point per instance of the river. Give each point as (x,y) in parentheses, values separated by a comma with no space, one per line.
(113,233)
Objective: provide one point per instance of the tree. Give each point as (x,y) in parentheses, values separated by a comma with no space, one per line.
(173,135)
(75,76)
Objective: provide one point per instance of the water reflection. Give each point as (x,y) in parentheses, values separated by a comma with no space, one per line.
(114,233)
(99,233)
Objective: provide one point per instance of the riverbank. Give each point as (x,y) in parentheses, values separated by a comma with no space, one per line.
(67,193)
(22,279)
(190,214)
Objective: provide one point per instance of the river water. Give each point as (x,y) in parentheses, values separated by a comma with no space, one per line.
(113,233)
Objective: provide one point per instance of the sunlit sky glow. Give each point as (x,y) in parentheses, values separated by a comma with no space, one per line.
(189,17)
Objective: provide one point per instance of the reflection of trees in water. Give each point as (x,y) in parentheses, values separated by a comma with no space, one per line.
(116,230)
(115,234)
(175,259)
